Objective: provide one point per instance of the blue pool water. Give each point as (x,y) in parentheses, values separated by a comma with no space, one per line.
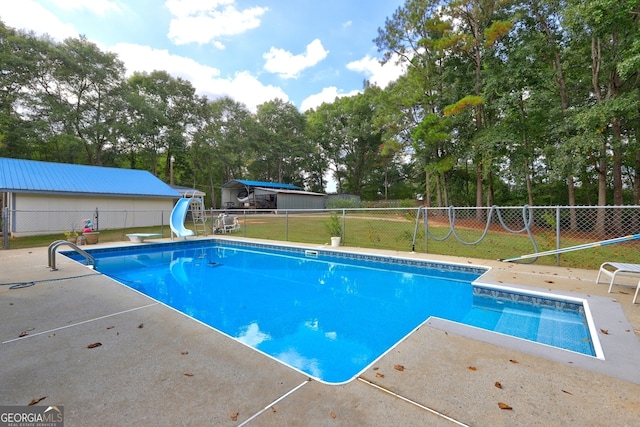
(327,314)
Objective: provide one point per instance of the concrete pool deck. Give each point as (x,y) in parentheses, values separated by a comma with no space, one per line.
(157,367)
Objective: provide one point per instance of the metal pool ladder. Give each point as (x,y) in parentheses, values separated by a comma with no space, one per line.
(55,245)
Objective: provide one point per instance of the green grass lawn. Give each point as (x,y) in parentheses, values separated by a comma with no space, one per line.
(105,236)
(395,232)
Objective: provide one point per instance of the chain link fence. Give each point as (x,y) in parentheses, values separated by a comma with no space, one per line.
(486,233)
(22,228)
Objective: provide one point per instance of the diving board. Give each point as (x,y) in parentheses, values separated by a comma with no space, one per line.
(178,215)
(139,237)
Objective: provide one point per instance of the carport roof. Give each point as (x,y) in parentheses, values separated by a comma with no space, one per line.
(285,191)
(29,176)
(188,191)
(263,184)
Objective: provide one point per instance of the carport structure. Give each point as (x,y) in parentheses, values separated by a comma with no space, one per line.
(245,194)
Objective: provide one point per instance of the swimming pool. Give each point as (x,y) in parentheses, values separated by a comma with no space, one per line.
(331,314)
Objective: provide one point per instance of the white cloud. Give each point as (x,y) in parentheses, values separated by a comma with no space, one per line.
(145,58)
(207,21)
(289,66)
(245,88)
(378,74)
(242,87)
(239,84)
(99,7)
(31,16)
(328,95)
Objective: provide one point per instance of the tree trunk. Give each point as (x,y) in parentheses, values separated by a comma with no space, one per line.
(636,190)
(636,178)
(438,190)
(427,189)
(602,197)
(213,193)
(479,211)
(564,97)
(596,62)
(446,193)
(528,182)
(572,202)
(616,223)
(490,194)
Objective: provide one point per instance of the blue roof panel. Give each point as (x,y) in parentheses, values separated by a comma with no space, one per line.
(34,176)
(263,184)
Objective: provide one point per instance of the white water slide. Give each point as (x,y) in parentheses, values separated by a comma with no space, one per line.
(178,215)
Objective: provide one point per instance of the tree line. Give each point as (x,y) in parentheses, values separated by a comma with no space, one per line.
(502,102)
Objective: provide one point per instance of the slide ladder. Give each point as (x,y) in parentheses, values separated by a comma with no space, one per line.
(198,216)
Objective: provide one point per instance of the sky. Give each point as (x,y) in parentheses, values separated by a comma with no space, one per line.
(301,51)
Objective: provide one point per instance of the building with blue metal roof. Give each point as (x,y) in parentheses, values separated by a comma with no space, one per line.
(29,176)
(246,194)
(45,197)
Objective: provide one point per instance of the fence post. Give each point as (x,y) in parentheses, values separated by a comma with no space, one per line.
(425,219)
(557,234)
(286,225)
(415,230)
(5,228)
(344,224)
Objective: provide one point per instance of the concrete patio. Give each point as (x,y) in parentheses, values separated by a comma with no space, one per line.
(157,367)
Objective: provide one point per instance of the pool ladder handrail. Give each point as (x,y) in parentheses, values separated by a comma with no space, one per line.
(55,245)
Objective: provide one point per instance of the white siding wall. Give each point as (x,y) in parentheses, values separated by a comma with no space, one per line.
(34,214)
